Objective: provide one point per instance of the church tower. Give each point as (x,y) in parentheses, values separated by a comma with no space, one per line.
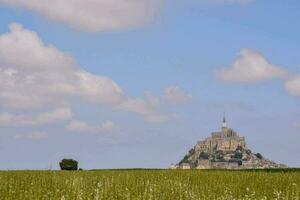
(224,123)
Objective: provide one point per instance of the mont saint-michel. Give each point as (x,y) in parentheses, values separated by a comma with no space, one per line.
(225,149)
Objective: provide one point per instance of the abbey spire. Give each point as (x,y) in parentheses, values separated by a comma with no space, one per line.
(224,123)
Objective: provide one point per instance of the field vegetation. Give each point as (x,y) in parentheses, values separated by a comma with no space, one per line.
(150,185)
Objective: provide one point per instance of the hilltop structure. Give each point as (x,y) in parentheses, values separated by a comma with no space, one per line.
(225,149)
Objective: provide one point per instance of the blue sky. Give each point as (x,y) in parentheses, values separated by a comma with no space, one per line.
(170,77)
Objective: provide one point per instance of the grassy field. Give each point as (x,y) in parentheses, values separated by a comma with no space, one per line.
(149,185)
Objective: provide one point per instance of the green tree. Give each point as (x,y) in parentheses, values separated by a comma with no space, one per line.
(68,164)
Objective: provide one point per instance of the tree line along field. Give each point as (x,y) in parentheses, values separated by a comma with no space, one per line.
(150,185)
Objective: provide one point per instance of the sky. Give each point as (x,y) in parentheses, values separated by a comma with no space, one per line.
(136,83)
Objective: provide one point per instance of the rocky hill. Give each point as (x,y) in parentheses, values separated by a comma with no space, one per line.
(224,150)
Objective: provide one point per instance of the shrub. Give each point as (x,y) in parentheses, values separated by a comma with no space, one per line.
(238,155)
(68,164)
(239,148)
(219,156)
(184,160)
(248,152)
(191,151)
(204,155)
(240,162)
(258,155)
(194,163)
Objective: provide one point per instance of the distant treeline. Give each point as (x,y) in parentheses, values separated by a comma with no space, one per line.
(274,170)
(129,169)
(259,170)
(246,170)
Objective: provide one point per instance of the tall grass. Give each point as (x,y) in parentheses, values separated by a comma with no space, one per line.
(149,185)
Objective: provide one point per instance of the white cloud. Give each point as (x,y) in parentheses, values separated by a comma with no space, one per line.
(172,95)
(145,108)
(108,125)
(93,15)
(150,107)
(80,126)
(97,89)
(21,120)
(293,86)
(297,125)
(35,75)
(251,66)
(101,15)
(33,136)
(43,75)
(38,136)
(175,95)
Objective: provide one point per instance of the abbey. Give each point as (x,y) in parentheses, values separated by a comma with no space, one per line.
(225,149)
(225,140)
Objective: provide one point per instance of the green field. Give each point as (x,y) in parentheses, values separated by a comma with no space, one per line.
(149,184)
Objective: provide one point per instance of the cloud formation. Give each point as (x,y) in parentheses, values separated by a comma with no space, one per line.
(251,66)
(174,95)
(42,76)
(149,106)
(93,15)
(293,86)
(296,125)
(146,109)
(36,135)
(83,127)
(22,120)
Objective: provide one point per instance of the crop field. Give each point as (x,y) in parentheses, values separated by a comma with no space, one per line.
(149,185)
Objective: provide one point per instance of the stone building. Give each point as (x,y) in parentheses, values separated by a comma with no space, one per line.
(204,164)
(225,140)
(173,166)
(185,166)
